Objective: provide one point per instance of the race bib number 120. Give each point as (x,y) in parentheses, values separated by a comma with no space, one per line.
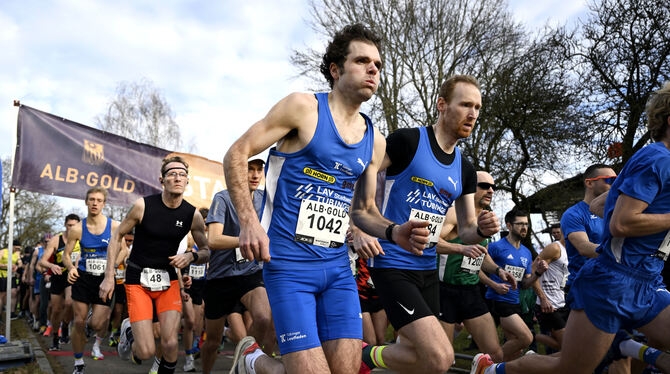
(322,224)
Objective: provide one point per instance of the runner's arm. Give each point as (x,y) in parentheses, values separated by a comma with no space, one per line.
(628,219)
(473,228)
(72,238)
(288,114)
(44,261)
(133,218)
(198,232)
(597,205)
(217,240)
(581,242)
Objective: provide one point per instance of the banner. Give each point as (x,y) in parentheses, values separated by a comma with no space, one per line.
(59,157)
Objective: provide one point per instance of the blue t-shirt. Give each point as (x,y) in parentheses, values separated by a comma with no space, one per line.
(516,261)
(578,218)
(645,177)
(422,192)
(227,262)
(308,194)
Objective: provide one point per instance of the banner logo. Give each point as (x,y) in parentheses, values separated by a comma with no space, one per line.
(93,153)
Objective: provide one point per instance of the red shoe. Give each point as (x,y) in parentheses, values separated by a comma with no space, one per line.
(364,369)
(480,363)
(47,332)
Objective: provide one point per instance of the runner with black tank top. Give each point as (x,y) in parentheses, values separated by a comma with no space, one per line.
(458,270)
(93,235)
(161,222)
(425,174)
(61,293)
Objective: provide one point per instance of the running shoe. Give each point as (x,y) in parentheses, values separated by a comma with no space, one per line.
(113,341)
(55,345)
(96,353)
(189,366)
(480,363)
(244,347)
(79,369)
(126,340)
(154,367)
(48,330)
(42,330)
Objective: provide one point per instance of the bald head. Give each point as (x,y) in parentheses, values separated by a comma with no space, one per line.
(484,191)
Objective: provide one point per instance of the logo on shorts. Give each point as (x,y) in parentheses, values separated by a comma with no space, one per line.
(93,153)
(290,336)
(179,223)
(410,312)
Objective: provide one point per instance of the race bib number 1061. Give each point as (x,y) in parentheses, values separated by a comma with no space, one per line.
(322,224)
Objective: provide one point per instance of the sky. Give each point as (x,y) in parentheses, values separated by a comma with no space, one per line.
(220,65)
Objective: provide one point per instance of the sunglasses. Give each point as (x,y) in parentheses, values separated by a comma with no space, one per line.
(609,179)
(486,186)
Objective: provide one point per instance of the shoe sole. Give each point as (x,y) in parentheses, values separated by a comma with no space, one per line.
(475,362)
(239,350)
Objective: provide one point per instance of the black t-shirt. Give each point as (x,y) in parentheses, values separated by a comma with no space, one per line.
(402,145)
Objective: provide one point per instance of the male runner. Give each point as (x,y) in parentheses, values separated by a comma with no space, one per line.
(92,235)
(4,265)
(622,288)
(61,293)
(161,221)
(231,277)
(324,144)
(460,297)
(550,308)
(120,310)
(581,228)
(425,174)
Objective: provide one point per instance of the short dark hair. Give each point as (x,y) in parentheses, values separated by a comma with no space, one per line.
(72,216)
(168,160)
(338,48)
(590,171)
(555,226)
(512,214)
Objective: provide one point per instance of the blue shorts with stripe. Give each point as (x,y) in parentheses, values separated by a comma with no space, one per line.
(617,297)
(312,304)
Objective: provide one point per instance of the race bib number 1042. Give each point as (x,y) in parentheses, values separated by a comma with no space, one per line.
(322,224)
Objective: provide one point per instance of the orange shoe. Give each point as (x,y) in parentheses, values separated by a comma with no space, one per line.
(480,363)
(47,332)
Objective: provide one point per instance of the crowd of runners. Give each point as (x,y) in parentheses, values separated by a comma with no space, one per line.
(353,236)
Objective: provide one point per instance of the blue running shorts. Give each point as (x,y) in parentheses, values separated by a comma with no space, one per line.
(310,306)
(617,297)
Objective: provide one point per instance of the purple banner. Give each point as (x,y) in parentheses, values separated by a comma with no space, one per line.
(60,157)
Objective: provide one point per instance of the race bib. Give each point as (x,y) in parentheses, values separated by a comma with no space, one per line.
(434,224)
(120,274)
(197,271)
(96,266)
(516,271)
(472,265)
(322,224)
(238,256)
(74,256)
(155,279)
(664,249)
(565,280)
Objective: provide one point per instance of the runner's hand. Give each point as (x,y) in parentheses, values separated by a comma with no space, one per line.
(488,223)
(545,305)
(184,296)
(473,251)
(539,266)
(365,245)
(56,269)
(508,277)
(182,260)
(501,288)
(412,236)
(254,242)
(107,288)
(72,275)
(188,281)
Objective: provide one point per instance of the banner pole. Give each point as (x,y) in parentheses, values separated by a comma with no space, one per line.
(10,239)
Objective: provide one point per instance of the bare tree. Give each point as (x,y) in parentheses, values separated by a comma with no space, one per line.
(35,214)
(140,112)
(623,54)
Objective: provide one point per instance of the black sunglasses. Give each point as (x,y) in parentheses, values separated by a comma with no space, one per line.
(486,186)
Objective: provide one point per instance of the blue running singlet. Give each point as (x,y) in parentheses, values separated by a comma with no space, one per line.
(94,249)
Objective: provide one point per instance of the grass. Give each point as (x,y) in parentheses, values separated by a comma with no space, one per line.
(20,331)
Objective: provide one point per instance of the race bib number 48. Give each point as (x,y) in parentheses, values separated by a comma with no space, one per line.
(434,224)
(516,271)
(322,224)
(96,266)
(472,265)
(155,279)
